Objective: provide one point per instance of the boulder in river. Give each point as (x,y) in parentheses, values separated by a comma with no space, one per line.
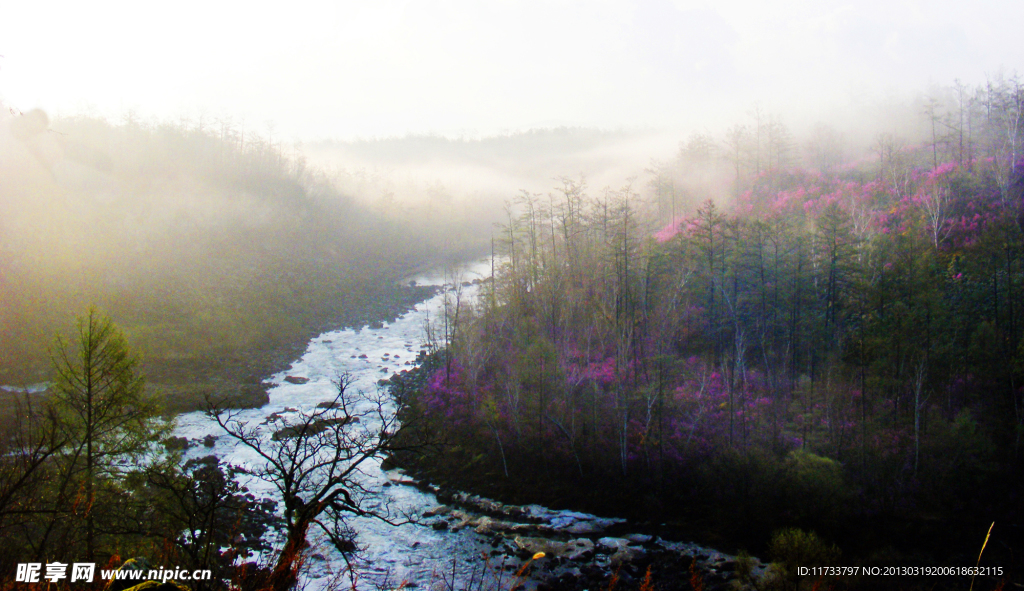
(482,525)
(296,380)
(177,443)
(439,510)
(313,428)
(579,549)
(613,544)
(530,546)
(487,525)
(583,527)
(625,555)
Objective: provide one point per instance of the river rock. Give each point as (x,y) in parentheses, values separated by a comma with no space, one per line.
(530,546)
(313,428)
(177,443)
(401,479)
(274,416)
(528,528)
(497,526)
(613,544)
(492,507)
(579,549)
(459,520)
(482,525)
(439,510)
(626,555)
(567,576)
(582,528)
(638,538)
(296,380)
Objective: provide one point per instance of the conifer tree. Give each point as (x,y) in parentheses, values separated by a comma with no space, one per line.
(103,408)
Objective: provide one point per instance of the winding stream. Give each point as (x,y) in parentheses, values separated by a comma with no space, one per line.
(390,554)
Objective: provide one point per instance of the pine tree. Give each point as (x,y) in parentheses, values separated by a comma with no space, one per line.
(103,408)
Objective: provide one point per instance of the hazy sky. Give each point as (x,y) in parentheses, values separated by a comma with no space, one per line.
(386,67)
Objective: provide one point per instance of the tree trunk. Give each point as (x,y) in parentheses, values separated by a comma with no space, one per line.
(286,572)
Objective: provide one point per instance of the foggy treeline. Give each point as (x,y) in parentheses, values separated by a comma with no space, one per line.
(957,122)
(472,177)
(773,331)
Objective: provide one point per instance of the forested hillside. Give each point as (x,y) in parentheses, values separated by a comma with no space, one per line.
(216,250)
(838,347)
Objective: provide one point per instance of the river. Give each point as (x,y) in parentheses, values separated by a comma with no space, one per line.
(389,555)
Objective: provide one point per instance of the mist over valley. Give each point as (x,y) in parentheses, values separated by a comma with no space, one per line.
(308,298)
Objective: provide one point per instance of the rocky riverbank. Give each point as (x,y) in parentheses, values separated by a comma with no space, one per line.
(581,551)
(571,551)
